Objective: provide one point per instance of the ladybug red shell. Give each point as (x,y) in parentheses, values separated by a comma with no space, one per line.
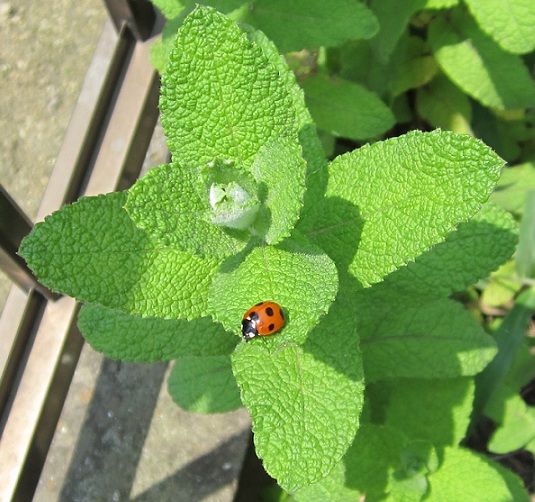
(265,318)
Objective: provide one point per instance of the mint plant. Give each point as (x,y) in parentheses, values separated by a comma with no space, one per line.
(368,389)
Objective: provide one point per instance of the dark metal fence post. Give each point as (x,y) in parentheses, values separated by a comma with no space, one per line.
(14,225)
(139,15)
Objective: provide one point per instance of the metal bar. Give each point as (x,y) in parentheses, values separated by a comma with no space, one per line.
(14,225)
(139,15)
(119,141)
(15,332)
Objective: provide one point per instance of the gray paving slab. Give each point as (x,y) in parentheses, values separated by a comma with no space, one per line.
(121,437)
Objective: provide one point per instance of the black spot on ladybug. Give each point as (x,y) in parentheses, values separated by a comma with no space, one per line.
(258,304)
(280,312)
(254,316)
(271,327)
(269,311)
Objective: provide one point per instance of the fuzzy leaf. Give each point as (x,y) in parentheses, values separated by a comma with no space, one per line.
(509,338)
(381,464)
(169,8)
(467,473)
(346,109)
(366,467)
(221,97)
(444,408)
(517,426)
(501,286)
(280,173)
(438,339)
(311,24)
(479,66)
(509,23)
(498,133)
(440,4)
(144,339)
(413,73)
(443,105)
(513,186)
(469,253)
(171,203)
(331,487)
(204,384)
(160,49)
(304,400)
(393,18)
(308,137)
(390,201)
(299,277)
(525,255)
(93,251)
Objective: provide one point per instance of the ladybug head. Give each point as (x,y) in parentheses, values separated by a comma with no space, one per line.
(248,329)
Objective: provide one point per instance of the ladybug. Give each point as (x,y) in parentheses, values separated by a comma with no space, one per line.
(265,318)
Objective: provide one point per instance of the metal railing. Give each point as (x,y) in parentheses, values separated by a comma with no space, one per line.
(39,342)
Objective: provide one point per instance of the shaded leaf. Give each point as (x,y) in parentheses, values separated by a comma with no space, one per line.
(479,66)
(145,339)
(345,108)
(311,23)
(204,384)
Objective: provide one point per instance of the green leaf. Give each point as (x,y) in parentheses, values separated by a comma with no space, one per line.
(311,23)
(312,148)
(440,4)
(517,426)
(144,339)
(525,256)
(224,6)
(204,384)
(393,18)
(365,469)
(497,133)
(513,186)
(304,400)
(443,409)
(332,487)
(509,338)
(175,14)
(381,464)
(501,286)
(413,73)
(171,203)
(169,8)
(299,277)
(221,97)
(280,172)
(346,109)
(443,105)
(390,201)
(472,475)
(158,55)
(160,49)
(469,253)
(93,251)
(479,66)
(509,23)
(438,339)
